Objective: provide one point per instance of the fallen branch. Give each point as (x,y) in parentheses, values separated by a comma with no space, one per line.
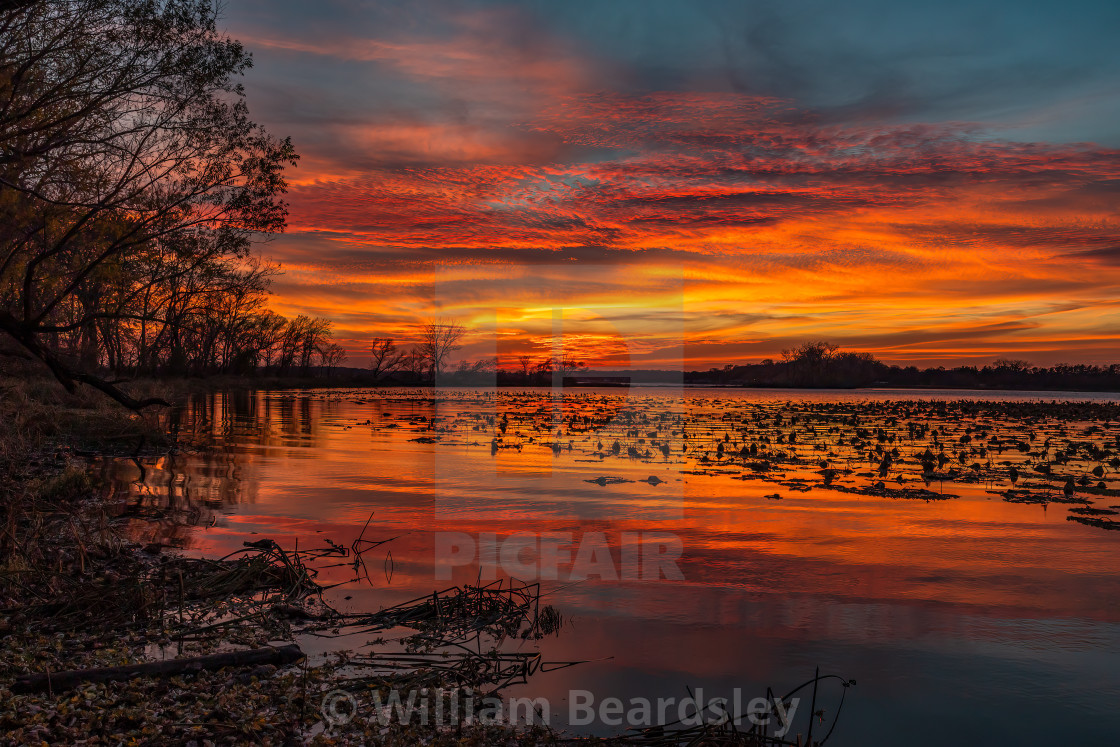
(55,681)
(27,335)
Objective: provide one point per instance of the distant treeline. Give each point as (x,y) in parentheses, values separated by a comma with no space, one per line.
(812,365)
(425,363)
(822,365)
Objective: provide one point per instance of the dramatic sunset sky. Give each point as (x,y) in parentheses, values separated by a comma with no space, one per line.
(936,183)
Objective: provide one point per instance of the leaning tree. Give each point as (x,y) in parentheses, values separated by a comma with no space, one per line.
(123,133)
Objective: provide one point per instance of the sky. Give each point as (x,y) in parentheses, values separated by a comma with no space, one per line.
(654,183)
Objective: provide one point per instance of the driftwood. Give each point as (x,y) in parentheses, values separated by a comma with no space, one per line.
(55,681)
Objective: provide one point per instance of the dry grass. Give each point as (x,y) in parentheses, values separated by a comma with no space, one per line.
(45,432)
(38,411)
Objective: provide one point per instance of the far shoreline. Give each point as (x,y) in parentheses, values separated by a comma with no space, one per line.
(270,383)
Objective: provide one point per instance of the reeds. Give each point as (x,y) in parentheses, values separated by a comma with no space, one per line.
(461,614)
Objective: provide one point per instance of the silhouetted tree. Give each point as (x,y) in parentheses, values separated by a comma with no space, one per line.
(438,340)
(525,361)
(331,354)
(131,183)
(415,363)
(385,357)
(806,364)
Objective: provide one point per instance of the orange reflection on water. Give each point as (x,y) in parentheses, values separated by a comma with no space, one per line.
(924,602)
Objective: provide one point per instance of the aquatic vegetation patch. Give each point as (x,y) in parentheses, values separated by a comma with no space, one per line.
(1025,451)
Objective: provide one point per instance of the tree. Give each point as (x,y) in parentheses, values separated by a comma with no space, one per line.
(385,357)
(415,363)
(525,362)
(129,172)
(302,339)
(438,340)
(266,330)
(811,352)
(807,364)
(1013,365)
(480,371)
(331,355)
(566,366)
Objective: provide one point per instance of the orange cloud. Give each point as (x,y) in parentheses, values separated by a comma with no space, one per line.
(932,242)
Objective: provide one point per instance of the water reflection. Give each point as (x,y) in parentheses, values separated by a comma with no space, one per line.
(966,619)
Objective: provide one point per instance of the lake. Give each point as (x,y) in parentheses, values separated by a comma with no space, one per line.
(948,551)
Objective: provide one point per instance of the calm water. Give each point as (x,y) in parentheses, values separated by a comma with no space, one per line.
(966,620)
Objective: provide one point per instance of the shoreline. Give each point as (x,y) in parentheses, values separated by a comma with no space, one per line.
(87,613)
(105,640)
(217,383)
